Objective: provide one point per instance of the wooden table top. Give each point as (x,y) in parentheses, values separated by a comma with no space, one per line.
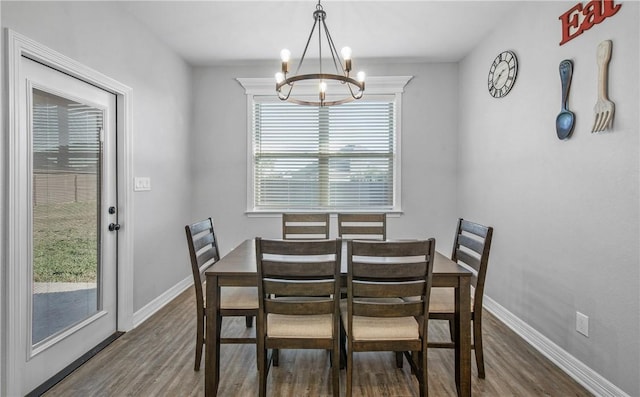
(242,262)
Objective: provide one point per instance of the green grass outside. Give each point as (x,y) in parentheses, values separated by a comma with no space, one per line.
(65,242)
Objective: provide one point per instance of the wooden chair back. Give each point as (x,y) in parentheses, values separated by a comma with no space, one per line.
(381,271)
(301,269)
(203,252)
(305,226)
(471,247)
(362,226)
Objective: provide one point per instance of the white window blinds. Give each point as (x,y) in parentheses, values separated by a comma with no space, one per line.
(339,158)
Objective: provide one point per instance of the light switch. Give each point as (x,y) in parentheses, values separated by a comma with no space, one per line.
(141,183)
(582,324)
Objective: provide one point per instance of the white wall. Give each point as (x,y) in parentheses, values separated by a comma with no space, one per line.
(429,125)
(565,212)
(102,37)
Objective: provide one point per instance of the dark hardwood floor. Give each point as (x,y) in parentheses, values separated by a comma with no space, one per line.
(156,359)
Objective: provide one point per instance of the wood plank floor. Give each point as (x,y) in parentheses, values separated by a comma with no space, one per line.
(156,359)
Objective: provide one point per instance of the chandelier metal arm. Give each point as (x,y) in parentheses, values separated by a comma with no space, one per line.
(282,96)
(313,28)
(335,56)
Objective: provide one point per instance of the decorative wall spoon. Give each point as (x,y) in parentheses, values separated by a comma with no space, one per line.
(566,119)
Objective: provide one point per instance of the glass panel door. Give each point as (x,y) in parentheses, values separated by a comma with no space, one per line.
(66,208)
(64,263)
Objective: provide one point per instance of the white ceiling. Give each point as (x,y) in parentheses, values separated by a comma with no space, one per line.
(221,32)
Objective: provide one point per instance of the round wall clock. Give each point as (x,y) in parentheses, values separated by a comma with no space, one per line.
(502,74)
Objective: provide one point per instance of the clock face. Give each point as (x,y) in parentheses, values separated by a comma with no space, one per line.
(502,74)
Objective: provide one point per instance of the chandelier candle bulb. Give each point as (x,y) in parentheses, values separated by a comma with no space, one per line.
(285,55)
(346,54)
(361,75)
(323,90)
(279,77)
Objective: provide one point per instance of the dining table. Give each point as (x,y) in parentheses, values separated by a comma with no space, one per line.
(238,268)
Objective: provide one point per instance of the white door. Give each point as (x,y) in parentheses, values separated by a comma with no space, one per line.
(68,302)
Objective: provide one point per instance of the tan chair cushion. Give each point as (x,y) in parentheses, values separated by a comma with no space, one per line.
(381,328)
(443,300)
(289,326)
(238,298)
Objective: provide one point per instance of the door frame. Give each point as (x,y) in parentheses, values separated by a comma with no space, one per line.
(15,203)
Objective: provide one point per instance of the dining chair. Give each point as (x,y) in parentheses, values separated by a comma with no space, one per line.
(302,226)
(378,317)
(299,300)
(305,226)
(362,226)
(471,248)
(234,301)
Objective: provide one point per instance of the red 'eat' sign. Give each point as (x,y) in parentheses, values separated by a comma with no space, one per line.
(579,18)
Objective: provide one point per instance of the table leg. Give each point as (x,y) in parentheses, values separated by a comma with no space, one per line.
(463,338)
(212,338)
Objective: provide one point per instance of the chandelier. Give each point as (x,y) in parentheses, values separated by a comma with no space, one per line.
(354,87)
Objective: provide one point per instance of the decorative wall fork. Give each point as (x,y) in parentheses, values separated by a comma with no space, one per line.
(604,108)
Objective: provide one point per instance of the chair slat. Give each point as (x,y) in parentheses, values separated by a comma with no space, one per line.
(475,228)
(393,271)
(475,245)
(297,269)
(468,259)
(300,308)
(284,247)
(305,229)
(361,230)
(389,249)
(203,241)
(388,290)
(200,226)
(405,309)
(208,256)
(291,288)
(305,217)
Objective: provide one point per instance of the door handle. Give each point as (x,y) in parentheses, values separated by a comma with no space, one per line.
(114,227)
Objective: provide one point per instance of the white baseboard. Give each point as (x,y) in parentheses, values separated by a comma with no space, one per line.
(582,374)
(158,303)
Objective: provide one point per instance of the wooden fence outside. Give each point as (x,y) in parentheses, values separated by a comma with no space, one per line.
(58,188)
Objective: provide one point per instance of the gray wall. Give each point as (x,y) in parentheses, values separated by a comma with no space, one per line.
(429,145)
(565,212)
(102,37)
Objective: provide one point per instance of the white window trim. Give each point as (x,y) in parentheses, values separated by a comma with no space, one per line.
(376,85)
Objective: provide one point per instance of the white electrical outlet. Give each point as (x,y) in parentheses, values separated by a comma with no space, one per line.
(582,324)
(141,184)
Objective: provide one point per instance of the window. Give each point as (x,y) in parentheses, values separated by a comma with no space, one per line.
(337,158)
